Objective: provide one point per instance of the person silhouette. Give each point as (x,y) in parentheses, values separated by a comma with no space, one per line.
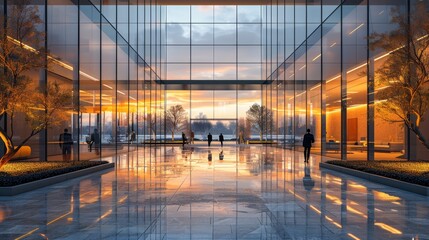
(66,142)
(183,139)
(221,139)
(95,139)
(209,138)
(132,136)
(306,143)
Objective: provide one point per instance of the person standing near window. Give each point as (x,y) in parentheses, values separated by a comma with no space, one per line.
(221,139)
(306,143)
(95,139)
(66,142)
(183,139)
(209,138)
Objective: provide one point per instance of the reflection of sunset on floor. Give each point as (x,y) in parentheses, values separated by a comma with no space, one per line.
(181,193)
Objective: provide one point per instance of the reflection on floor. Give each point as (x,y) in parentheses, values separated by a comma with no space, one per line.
(255,192)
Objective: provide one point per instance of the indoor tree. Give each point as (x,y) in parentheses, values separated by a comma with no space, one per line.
(402,82)
(21,55)
(175,117)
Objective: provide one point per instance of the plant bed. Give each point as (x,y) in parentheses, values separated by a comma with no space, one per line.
(16,173)
(411,172)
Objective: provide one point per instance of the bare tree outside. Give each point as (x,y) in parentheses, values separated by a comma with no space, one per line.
(22,52)
(403,79)
(261,118)
(175,116)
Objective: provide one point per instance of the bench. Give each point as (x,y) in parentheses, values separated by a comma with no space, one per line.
(381,147)
(333,146)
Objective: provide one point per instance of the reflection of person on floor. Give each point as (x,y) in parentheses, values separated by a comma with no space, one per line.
(306,143)
(221,139)
(307,180)
(95,139)
(210,156)
(66,142)
(210,139)
(221,156)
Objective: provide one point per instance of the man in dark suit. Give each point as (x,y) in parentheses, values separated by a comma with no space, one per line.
(221,139)
(210,139)
(306,143)
(183,139)
(66,142)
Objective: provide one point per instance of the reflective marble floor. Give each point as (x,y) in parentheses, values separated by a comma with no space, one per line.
(255,192)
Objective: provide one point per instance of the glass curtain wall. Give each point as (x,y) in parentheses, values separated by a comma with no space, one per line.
(326,76)
(209,48)
(108,55)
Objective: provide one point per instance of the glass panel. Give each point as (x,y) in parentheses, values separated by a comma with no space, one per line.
(354,63)
(202,33)
(178,14)
(89,84)
(389,138)
(331,52)
(249,34)
(62,35)
(249,14)
(202,14)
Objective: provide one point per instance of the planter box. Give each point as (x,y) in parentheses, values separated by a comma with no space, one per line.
(26,187)
(411,187)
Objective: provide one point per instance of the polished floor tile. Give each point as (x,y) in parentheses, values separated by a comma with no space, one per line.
(255,192)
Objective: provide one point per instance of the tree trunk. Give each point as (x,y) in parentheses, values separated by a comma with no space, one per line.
(10,151)
(172,136)
(420,136)
(260,136)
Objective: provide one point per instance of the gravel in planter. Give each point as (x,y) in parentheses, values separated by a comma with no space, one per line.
(16,173)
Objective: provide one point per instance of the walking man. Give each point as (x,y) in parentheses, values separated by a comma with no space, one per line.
(66,142)
(95,139)
(209,138)
(306,143)
(221,139)
(183,139)
(132,136)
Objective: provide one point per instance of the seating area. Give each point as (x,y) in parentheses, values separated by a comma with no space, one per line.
(389,147)
(333,146)
(378,147)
